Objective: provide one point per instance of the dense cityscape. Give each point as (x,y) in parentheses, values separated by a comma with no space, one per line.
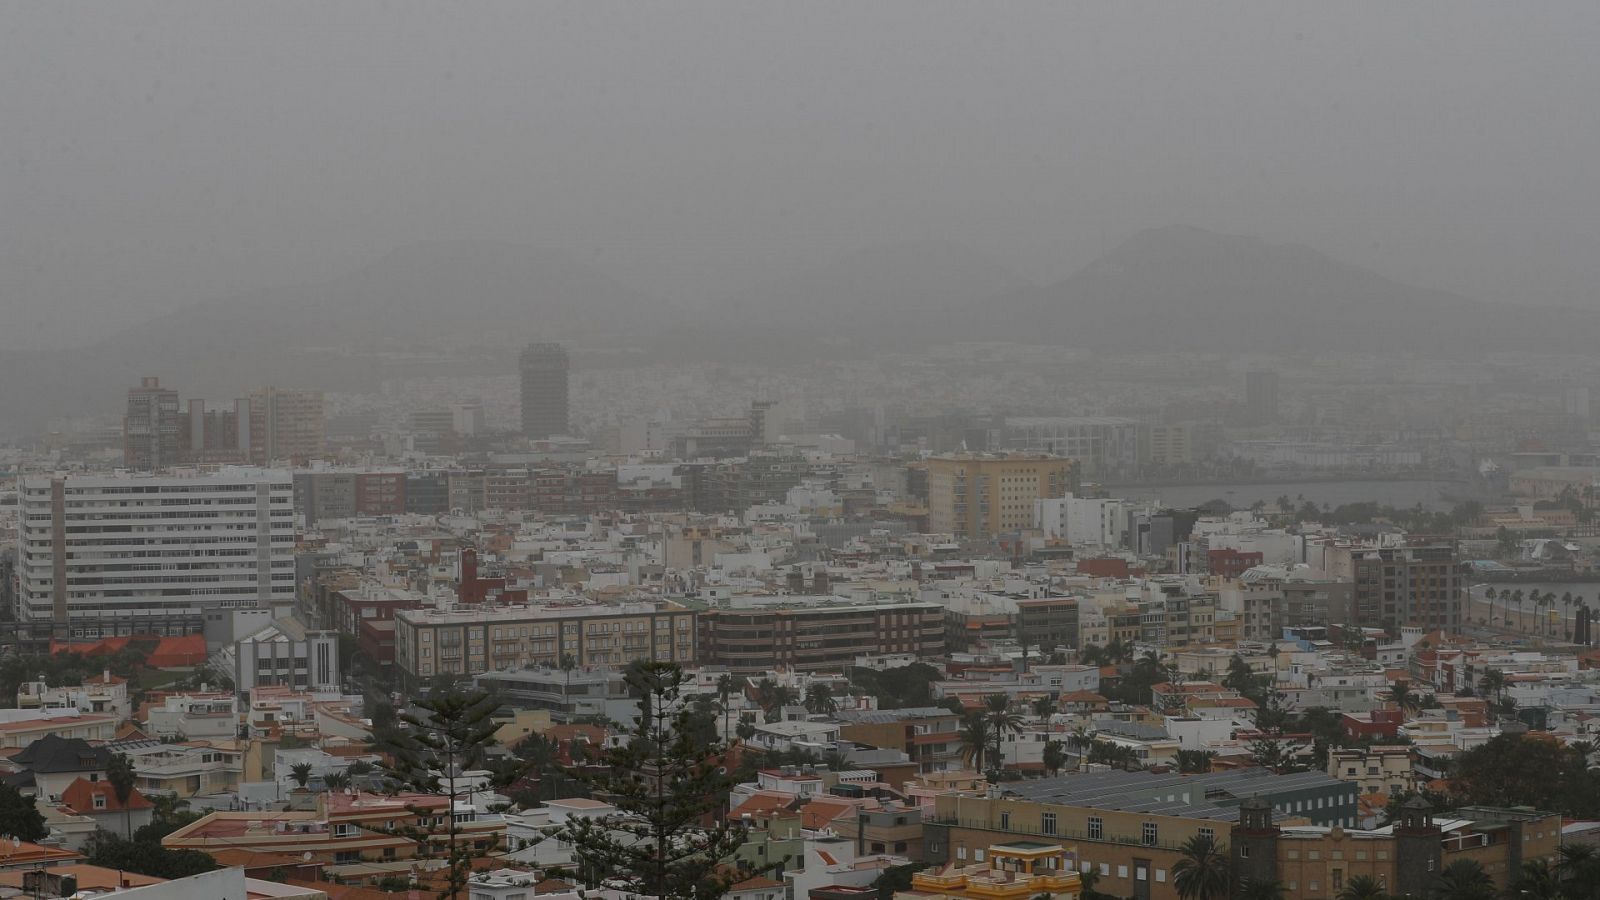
(798,650)
(738,450)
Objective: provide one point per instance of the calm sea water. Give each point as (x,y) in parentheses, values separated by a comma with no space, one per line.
(1399,494)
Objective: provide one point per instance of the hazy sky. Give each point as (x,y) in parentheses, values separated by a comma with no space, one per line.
(155,154)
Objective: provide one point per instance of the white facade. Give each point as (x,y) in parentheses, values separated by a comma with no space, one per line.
(285,653)
(195,718)
(135,553)
(1082,521)
(1102,444)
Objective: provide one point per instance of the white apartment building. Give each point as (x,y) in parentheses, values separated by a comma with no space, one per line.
(283,653)
(1083,521)
(118,554)
(1101,444)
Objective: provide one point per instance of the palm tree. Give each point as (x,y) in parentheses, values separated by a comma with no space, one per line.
(774,697)
(1195,762)
(1091,655)
(1578,863)
(819,699)
(1492,684)
(1201,872)
(1055,756)
(1489,595)
(1463,879)
(836,761)
(1124,758)
(119,771)
(301,773)
(1001,719)
(726,685)
(1362,887)
(1080,741)
(1537,880)
(1044,707)
(975,740)
(336,781)
(1260,889)
(1566,610)
(1088,878)
(1117,652)
(1404,698)
(1516,598)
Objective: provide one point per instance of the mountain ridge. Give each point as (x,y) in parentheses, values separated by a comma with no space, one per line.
(463,307)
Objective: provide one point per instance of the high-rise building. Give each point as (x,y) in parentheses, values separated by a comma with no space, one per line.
(285,425)
(544,390)
(975,496)
(467,418)
(1261,396)
(1102,445)
(433,431)
(105,555)
(153,430)
(1413,584)
(269,425)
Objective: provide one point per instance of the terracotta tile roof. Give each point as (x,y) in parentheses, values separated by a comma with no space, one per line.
(178,652)
(235,857)
(346,891)
(96,877)
(80,797)
(763,803)
(26,853)
(1083,697)
(821,813)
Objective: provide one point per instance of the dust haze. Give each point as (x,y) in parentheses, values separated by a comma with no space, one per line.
(253,173)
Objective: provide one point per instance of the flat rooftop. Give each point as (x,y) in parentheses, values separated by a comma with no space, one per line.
(1208,796)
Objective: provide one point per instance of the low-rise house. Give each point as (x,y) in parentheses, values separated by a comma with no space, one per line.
(322,764)
(343,828)
(1377,769)
(98,800)
(103,693)
(192,717)
(758,888)
(930,736)
(21,727)
(194,769)
(784,736)
(56,762)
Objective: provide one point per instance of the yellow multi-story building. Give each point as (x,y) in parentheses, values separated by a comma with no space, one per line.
(975,496)
(285,425)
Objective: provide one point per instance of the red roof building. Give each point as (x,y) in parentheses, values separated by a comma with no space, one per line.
(89,797)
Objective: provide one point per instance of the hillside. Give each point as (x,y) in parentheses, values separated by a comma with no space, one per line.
(1180,287)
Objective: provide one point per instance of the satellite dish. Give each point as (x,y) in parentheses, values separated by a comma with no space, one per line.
(306,856)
